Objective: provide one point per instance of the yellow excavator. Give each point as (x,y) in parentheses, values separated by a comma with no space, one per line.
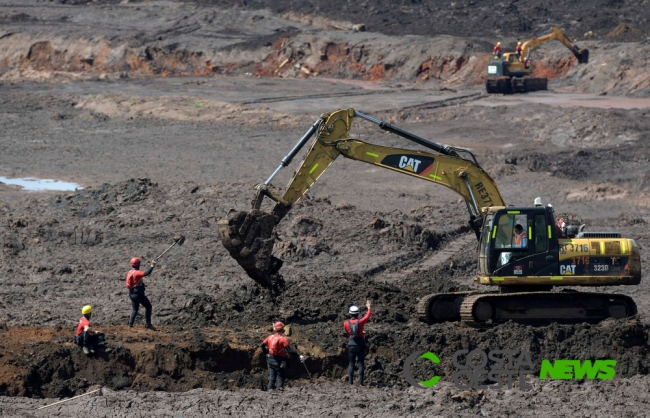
(522,250)
(512,73)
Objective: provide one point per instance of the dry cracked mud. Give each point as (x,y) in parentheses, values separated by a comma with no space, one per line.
(167,114)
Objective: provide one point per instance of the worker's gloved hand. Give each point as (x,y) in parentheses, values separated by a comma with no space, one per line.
(153,263)
(302,359)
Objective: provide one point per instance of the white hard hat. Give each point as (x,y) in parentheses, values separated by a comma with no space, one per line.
(354,310)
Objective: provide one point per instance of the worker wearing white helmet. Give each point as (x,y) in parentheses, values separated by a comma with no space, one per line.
(356,341)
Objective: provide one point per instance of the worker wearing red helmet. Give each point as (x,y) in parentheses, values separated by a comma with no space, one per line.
(276,347)
(356,341)
(136,290)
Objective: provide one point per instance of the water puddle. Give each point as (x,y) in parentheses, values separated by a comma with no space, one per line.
(38,185)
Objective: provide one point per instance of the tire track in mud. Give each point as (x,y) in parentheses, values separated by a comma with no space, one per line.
(319,96)
(442,103)
(422,106)
(439,257)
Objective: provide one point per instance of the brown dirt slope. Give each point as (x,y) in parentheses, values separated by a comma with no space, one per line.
(183,38)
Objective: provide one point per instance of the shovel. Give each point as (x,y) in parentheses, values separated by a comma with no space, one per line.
(178,240)
(307,370)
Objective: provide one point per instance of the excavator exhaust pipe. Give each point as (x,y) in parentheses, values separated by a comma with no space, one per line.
(249,238)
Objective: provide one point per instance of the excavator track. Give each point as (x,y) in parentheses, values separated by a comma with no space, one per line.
(507,85)
(441,307)
(536,307)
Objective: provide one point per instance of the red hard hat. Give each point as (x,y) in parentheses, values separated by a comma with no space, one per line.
(135,261)
(278,326)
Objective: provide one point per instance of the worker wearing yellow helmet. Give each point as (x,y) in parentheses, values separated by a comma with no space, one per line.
(518,49)
(497,50)
(85,337)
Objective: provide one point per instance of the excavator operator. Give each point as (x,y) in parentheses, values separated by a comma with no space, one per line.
(521,238)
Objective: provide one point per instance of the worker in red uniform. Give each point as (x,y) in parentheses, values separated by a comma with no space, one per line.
(560,228)
(356,341)
(518,50)
(276,347)
(136,290)
(497,50)
(85,337)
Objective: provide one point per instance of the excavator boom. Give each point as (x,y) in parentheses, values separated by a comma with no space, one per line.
(249,236)
(557,34)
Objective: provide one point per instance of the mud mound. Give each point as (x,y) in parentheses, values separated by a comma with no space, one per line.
(44,363)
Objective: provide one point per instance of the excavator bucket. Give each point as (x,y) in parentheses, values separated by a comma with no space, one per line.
(249,238)
(583,56)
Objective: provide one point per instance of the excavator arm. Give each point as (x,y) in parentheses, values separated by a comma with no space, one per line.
(248,236)
(557,34)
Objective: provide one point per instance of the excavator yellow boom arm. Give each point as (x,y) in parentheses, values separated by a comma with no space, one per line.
(554,34)
(248,236)
(460,175)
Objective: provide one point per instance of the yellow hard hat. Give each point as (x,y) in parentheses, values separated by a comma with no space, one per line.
(498,43)
(518,43)
(86,310)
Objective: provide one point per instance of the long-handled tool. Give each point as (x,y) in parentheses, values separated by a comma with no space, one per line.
(178,240)
(307,370)
(69,399)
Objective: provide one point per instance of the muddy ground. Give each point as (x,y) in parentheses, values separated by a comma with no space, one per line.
(167,114)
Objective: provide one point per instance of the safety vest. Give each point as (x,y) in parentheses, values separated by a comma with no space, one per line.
(277,344)
(519,239)
(133,280)
(83,322)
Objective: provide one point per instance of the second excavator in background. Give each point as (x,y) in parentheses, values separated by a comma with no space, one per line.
(512,72)
(521,250)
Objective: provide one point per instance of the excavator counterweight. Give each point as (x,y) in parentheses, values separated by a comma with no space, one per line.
(521,250)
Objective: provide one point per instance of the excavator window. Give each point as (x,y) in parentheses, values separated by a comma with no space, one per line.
(506,237)
(484,248)
(540,233)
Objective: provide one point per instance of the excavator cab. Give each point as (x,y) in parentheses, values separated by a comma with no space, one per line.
(545,256)
(518,242)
